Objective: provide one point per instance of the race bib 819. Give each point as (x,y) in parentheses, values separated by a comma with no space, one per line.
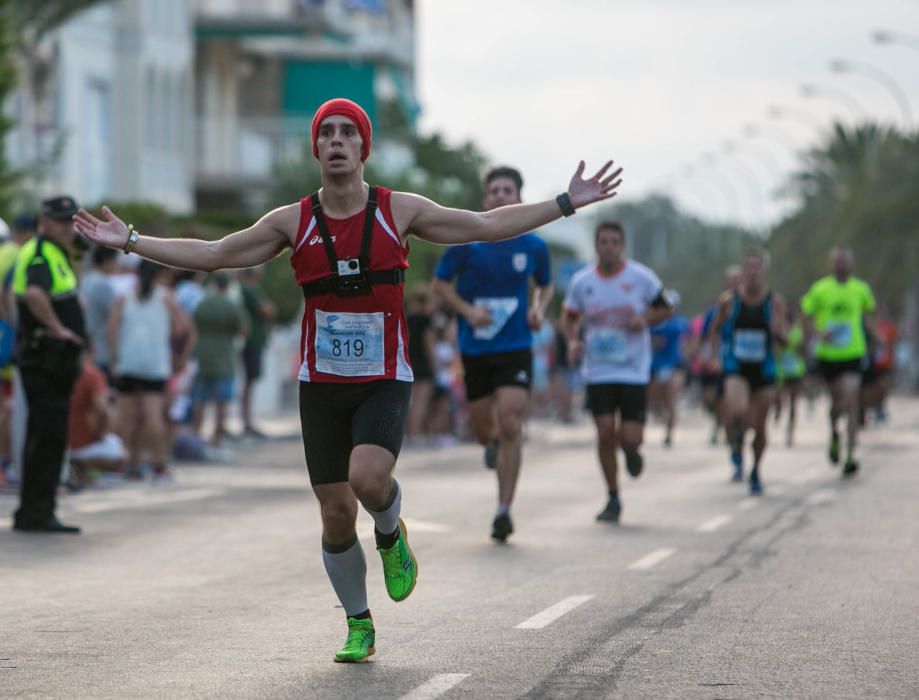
(350,345)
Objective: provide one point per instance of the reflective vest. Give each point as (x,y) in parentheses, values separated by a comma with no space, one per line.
(63,277)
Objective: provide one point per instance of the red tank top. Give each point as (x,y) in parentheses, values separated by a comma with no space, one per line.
(360,338)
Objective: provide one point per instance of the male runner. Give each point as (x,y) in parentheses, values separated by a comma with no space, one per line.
(835,307)
(616,300)
(748,322)
(667,369)
(490,299)
(349,243)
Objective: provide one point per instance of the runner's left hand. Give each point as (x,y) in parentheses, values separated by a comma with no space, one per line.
(601,186)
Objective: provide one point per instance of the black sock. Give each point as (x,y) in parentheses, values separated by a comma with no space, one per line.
(754,474)
(385,541)
(362,616)
(613,494)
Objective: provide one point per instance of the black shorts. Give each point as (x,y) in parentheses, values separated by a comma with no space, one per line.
(335,418)
(630,400)
(754,376)
(252,360)
(831,371)
(129,385)
(485,373)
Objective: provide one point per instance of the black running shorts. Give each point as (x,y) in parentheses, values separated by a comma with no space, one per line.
(483,374)
(630,400)
(335,418)
(754,375)
(831,371)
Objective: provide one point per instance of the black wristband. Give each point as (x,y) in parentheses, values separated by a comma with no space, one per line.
(564,203)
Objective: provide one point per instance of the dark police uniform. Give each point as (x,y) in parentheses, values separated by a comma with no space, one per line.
(48,368)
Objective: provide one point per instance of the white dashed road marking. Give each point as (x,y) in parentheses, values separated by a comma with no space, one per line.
(550,615)
(652,559)
(435,687)
(714,523)
(147,500)
(749,504)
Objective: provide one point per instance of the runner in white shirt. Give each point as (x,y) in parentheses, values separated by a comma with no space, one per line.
(615,301)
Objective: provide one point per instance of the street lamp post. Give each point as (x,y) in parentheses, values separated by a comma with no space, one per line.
(882,77)
(802,116)
(836,95)
(899,38)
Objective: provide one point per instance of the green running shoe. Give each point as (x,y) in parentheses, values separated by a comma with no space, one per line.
(834,449)
(400,568)
(359,645)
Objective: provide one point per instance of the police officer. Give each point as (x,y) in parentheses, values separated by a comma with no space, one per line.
(49,342)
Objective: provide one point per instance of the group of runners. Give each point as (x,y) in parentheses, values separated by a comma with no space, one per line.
(349,244)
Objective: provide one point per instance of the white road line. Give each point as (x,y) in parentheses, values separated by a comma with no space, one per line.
(152,499)
(435,687)
(425,526)
(714,523)
(749,504)
(652,559)
(550,615)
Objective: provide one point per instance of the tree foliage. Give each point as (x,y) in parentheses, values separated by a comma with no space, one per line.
(859,189)
(688,254)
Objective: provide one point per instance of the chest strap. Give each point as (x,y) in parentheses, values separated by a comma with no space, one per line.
(330,285)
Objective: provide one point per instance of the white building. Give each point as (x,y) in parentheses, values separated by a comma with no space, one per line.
(109,105)
(188,103)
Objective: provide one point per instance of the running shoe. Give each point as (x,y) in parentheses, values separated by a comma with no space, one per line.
(359,645)
(400,568)
(737,461)
(850,468)
(633,463)
(756,486)
(491,455)
(611,513)
(834,449)
(502,527)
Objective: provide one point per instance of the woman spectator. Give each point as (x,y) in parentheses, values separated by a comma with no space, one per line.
(421,339)
(141,330)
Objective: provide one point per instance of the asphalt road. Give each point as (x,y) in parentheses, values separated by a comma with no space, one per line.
(213,587)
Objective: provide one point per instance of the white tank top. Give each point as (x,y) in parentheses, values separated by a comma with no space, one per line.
(143,338)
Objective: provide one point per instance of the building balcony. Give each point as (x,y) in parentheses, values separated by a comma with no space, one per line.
(246,152)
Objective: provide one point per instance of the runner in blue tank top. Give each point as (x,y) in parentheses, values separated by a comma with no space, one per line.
(491,299)
(749,322)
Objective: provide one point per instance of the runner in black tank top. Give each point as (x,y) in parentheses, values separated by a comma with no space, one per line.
(748,322)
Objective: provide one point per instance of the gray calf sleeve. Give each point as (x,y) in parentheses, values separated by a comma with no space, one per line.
(347,570)
(387,520)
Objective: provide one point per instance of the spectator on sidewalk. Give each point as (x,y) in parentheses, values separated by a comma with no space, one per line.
(219,321)
(421,339)
(12,397)
(98,294)
(93,445)
(261,313)
(142,327)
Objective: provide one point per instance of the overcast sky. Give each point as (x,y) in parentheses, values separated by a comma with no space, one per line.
(655,84)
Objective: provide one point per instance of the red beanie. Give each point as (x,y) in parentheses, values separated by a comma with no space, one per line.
(353,111)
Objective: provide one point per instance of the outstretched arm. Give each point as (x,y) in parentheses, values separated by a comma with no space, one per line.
(437,224)
(247,248)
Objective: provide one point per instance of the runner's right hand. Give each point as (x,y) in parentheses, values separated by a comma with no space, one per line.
(112,232)
(479,317)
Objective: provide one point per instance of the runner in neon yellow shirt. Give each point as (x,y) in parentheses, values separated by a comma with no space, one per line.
(835,307)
